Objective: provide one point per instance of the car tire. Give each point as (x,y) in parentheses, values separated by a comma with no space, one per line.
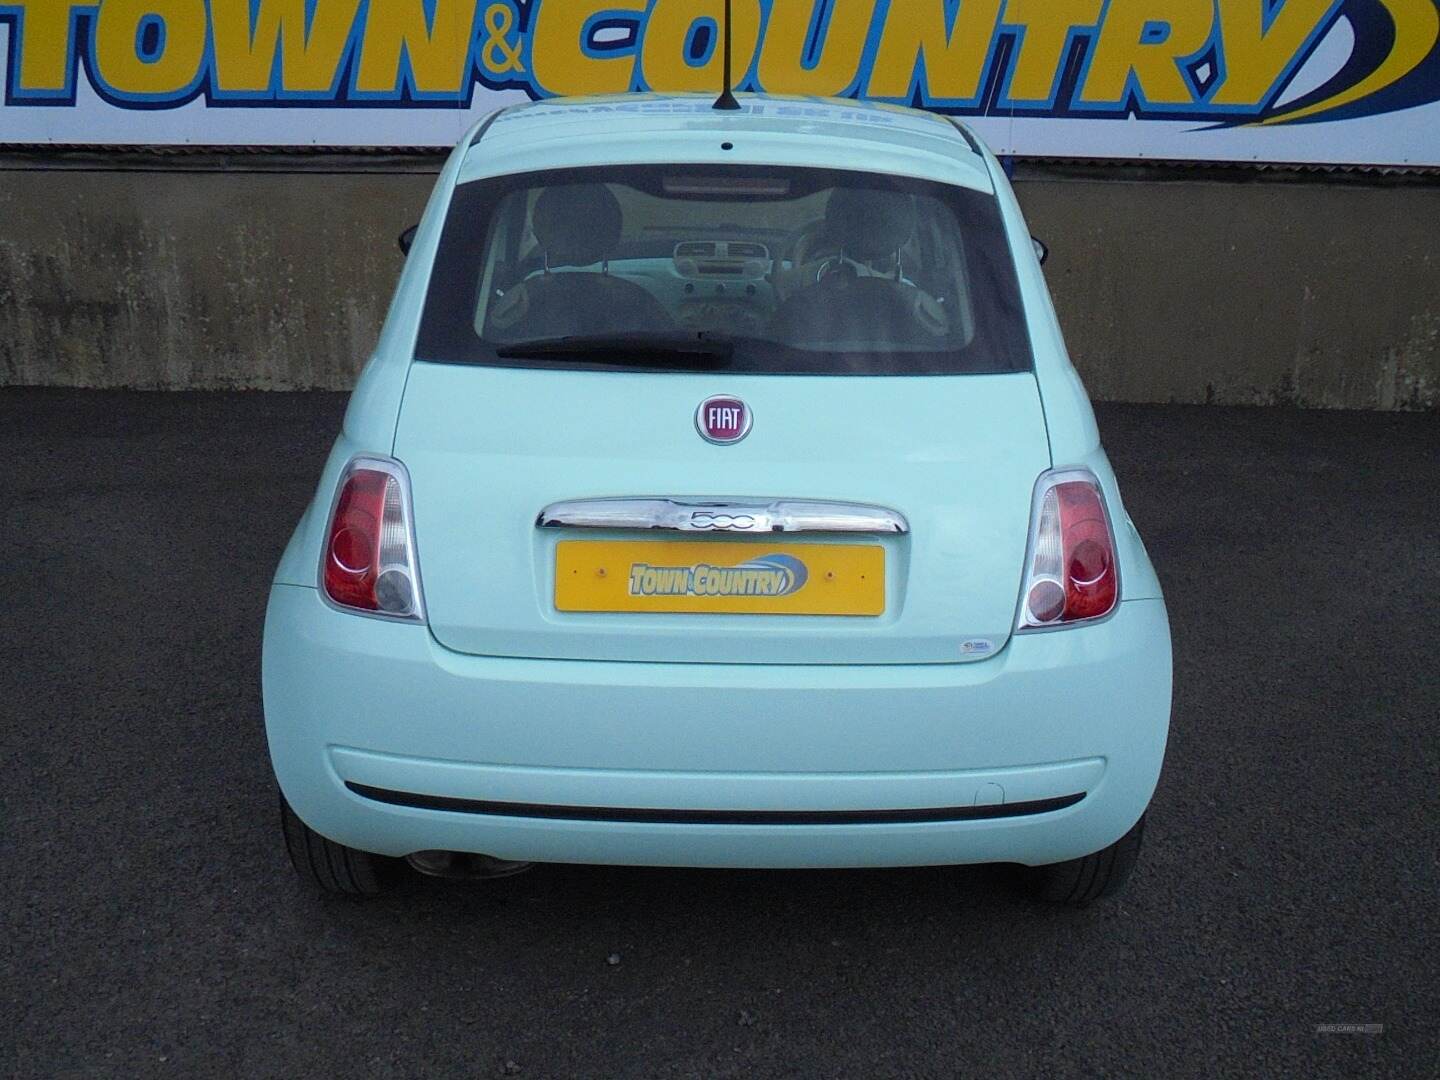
(330,867)
(1093,877)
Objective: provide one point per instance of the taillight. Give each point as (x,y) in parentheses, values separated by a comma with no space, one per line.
(1071,576)
(369,562)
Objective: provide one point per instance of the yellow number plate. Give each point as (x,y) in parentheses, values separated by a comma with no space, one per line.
(720,577)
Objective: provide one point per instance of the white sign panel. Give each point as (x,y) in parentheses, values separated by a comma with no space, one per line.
(1306,81)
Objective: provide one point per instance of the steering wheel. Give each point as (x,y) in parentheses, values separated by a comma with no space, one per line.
(801,250)
(811,263)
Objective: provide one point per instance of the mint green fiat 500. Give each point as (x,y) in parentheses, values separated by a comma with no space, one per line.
(720,494)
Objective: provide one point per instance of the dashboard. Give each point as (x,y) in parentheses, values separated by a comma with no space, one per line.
(708,284)
(704,284)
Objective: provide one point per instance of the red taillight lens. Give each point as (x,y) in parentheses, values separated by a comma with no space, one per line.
(369,550)
(1072,576)
(1090,586)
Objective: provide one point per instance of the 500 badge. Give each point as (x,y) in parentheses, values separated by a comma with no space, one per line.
(1217,61)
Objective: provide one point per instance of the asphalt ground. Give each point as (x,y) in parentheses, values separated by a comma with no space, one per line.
(152,925)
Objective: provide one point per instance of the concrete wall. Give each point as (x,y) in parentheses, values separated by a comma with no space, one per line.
(275,273)
(1308,292)
(197,279)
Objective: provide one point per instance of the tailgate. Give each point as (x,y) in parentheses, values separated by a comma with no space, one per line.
(953,459)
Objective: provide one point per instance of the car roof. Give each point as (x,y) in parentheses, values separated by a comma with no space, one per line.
(635,129)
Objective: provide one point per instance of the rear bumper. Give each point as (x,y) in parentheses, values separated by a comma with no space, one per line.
(385,741)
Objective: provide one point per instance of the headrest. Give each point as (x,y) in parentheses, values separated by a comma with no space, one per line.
(870,224)
(577,224)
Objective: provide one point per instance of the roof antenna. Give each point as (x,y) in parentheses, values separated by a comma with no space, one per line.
(726,102)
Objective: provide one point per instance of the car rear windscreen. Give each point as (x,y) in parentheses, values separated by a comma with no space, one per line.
(752,269)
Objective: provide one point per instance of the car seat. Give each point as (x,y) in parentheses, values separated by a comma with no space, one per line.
(844,309)
(578,226)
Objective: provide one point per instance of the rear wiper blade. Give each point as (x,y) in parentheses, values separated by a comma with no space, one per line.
(641,350)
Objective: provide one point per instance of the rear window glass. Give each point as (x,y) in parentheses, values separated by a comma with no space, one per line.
(792,271)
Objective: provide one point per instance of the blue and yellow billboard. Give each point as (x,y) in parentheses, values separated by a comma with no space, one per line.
(1325,81)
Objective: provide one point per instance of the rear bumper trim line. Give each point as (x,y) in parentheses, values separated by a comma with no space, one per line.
(656,816)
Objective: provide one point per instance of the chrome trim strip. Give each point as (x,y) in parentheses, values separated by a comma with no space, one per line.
(740,516)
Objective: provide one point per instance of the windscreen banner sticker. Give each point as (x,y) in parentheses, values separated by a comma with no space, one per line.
(1311,81)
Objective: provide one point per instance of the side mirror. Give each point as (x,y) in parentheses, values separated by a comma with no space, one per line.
(1041,251)
(407,239)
